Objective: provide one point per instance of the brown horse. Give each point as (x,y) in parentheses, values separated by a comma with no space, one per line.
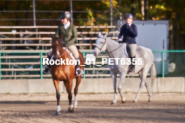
(65,73)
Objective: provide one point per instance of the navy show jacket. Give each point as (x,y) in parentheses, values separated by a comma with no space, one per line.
(129,33)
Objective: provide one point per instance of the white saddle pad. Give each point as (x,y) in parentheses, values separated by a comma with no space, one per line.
(69,52)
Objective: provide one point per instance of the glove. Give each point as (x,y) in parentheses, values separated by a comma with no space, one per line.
(119,39)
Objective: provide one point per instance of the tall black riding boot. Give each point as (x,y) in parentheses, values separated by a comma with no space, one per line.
(132,65)
(47,67)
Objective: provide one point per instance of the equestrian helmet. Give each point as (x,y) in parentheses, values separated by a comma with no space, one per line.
(64,15)
(129,15)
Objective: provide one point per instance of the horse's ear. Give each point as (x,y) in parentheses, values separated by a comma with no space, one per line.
(99,35)
(105,36)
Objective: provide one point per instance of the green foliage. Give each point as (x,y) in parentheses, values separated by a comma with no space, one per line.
(172,10)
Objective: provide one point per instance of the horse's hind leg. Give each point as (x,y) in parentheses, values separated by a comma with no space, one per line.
(147,88)
(56,84)
(143,75)
(78,80)
(149,92)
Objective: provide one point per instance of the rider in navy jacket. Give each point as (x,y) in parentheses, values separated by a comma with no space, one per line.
(129,32)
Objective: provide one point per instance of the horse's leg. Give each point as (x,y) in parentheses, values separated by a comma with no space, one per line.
(69,85)
(114,76)
(143,78)
(56,84)
(121,81)
(147,88)
(78,80)
(149,92)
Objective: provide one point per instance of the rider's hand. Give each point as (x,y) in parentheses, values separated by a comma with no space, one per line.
(127,25)
(119,40)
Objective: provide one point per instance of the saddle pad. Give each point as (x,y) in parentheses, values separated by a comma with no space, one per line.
(125,49)
(69,52)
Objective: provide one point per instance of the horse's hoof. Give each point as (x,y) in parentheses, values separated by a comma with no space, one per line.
(73,110)
(149,100)
(113,102)
(57,113)
(135,101)
(70,110)
(123,101)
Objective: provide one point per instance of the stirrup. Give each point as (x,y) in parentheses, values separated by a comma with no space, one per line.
(46,69)
(79,72)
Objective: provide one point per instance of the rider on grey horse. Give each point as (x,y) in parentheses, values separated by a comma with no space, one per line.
(129,32)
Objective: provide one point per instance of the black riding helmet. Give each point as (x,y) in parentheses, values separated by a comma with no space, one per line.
(129,15)
(65,15)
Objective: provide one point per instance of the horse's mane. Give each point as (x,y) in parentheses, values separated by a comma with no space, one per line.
(113,40)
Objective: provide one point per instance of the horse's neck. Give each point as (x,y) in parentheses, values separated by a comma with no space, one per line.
(63,52)
(113,47)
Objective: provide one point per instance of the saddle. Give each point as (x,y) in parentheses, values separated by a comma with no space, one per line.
(68,51)
(126,50)
(127,53)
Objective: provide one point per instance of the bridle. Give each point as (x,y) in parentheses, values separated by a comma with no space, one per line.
(60,49)
(104,44)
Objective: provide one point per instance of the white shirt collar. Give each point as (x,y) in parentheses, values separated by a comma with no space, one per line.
(130,24)
(66,25)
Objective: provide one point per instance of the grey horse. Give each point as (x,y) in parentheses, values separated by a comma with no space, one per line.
(116,50)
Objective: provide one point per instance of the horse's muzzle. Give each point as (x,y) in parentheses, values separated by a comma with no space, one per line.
(94,54)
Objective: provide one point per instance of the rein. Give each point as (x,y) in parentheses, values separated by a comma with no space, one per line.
(104,44)
(60,51)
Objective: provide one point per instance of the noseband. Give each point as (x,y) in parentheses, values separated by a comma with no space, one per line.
(102,45)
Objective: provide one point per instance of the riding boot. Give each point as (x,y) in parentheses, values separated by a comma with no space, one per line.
(77,67)
(47,67)
(132,65)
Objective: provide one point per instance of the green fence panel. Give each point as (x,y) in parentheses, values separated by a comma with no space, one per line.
(171,64)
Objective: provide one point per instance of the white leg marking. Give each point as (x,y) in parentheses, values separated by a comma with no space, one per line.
(115,98)
(123,99)
(71,106)
(58,108)
(58,53)
(75,102)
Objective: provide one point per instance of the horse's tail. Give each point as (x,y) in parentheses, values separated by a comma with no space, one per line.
(153,74)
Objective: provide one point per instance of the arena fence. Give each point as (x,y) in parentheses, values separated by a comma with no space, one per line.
(28,64)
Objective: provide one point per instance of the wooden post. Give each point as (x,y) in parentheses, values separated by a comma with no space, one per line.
(34,15)
(142,9)
(146,6)
(71,10)
(111,13)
